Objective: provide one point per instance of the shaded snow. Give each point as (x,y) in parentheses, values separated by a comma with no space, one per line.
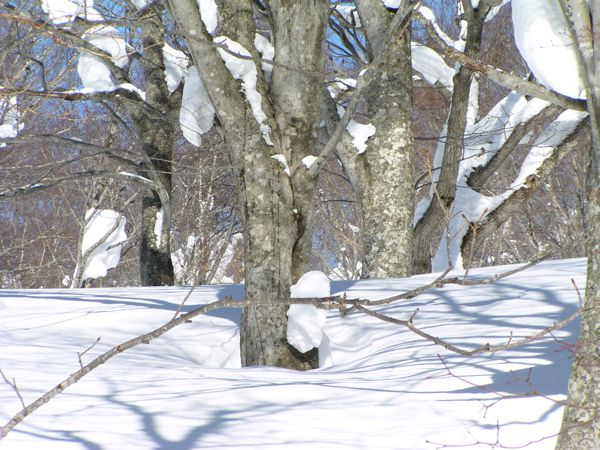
(387,388)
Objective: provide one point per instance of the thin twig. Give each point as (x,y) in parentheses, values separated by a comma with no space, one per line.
(79,355)
(14,387)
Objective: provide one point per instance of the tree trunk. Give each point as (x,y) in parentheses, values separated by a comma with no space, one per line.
(581,420)
(275,206)
(382,176)
(436,217)
(157,134)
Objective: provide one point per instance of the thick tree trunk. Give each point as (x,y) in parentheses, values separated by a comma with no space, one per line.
(581,420)
(387,188)
(157,135)
(275,206)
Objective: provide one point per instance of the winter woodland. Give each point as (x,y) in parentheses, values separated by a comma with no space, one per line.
(284,150)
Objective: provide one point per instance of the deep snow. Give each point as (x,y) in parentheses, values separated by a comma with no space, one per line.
(387,387)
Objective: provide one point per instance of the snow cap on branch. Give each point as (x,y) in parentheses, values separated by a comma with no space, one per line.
(245,71)
(543,38)
(176,63)
(105,254)
(197,112)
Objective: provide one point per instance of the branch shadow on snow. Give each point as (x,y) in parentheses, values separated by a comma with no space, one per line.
(152,298)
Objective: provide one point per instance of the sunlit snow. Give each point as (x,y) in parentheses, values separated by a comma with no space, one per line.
(245,71)
(176,63)
(306,322)
(387,388)
(104,244)
(197,112)
(542,36)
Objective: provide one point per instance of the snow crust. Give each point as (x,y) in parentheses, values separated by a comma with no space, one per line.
(543,38)
(197,112)
(103,257)
(176,63)
(388,386)
(306,322)
(245,71)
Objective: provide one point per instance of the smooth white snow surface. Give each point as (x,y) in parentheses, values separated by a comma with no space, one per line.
(542,36)
(108,253)
(431,65)
(93,70)
(267,51)
(360,134)
(387,388)
(9,112)
(61,12)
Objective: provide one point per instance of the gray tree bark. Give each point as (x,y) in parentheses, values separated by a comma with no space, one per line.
(581,420)
(275,207)
(157,135)
(383,177)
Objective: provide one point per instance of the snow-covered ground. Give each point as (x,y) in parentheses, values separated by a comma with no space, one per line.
(387,387)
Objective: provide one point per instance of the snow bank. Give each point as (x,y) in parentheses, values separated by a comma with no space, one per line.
(543,38)
(306,322)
